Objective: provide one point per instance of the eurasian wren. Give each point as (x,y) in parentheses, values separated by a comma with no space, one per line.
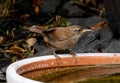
(61,38)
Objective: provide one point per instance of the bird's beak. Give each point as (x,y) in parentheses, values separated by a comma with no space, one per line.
(86,30)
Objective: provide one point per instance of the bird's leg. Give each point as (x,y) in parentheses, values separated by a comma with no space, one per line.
(57,57)
(74,55)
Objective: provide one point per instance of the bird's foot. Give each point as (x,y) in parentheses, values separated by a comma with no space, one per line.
(75,59)
(74,56)
(57,59)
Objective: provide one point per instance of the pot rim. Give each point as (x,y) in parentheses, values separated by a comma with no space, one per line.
(13,77)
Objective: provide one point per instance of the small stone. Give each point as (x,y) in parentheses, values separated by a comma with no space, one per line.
(3,69)
(1,72)
(2,77)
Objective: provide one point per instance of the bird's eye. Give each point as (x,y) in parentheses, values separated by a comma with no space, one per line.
(79,29)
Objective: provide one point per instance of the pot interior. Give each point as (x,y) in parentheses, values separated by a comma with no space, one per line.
(85,69)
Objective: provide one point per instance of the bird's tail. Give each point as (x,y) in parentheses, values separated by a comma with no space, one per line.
(35,29)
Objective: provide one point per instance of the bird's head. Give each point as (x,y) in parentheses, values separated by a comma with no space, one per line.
(80,29)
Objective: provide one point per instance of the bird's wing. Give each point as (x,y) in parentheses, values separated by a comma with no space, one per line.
(59,34)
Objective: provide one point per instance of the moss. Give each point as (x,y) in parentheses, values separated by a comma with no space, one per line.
(115,78)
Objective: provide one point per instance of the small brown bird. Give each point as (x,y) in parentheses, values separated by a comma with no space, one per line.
(61,38)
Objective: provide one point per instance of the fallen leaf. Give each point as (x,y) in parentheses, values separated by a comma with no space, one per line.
(31,41)
(36,9)
(20,56)
(34,28)
(99,25)
(37,2)
(15,48)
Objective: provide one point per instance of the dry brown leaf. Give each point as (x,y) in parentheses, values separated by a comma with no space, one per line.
(36,9)
(31,41)
(36,29)
(37,2)
(15,48)
(99,25)
(20,56)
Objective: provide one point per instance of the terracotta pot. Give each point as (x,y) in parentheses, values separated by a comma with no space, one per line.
(49,61)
